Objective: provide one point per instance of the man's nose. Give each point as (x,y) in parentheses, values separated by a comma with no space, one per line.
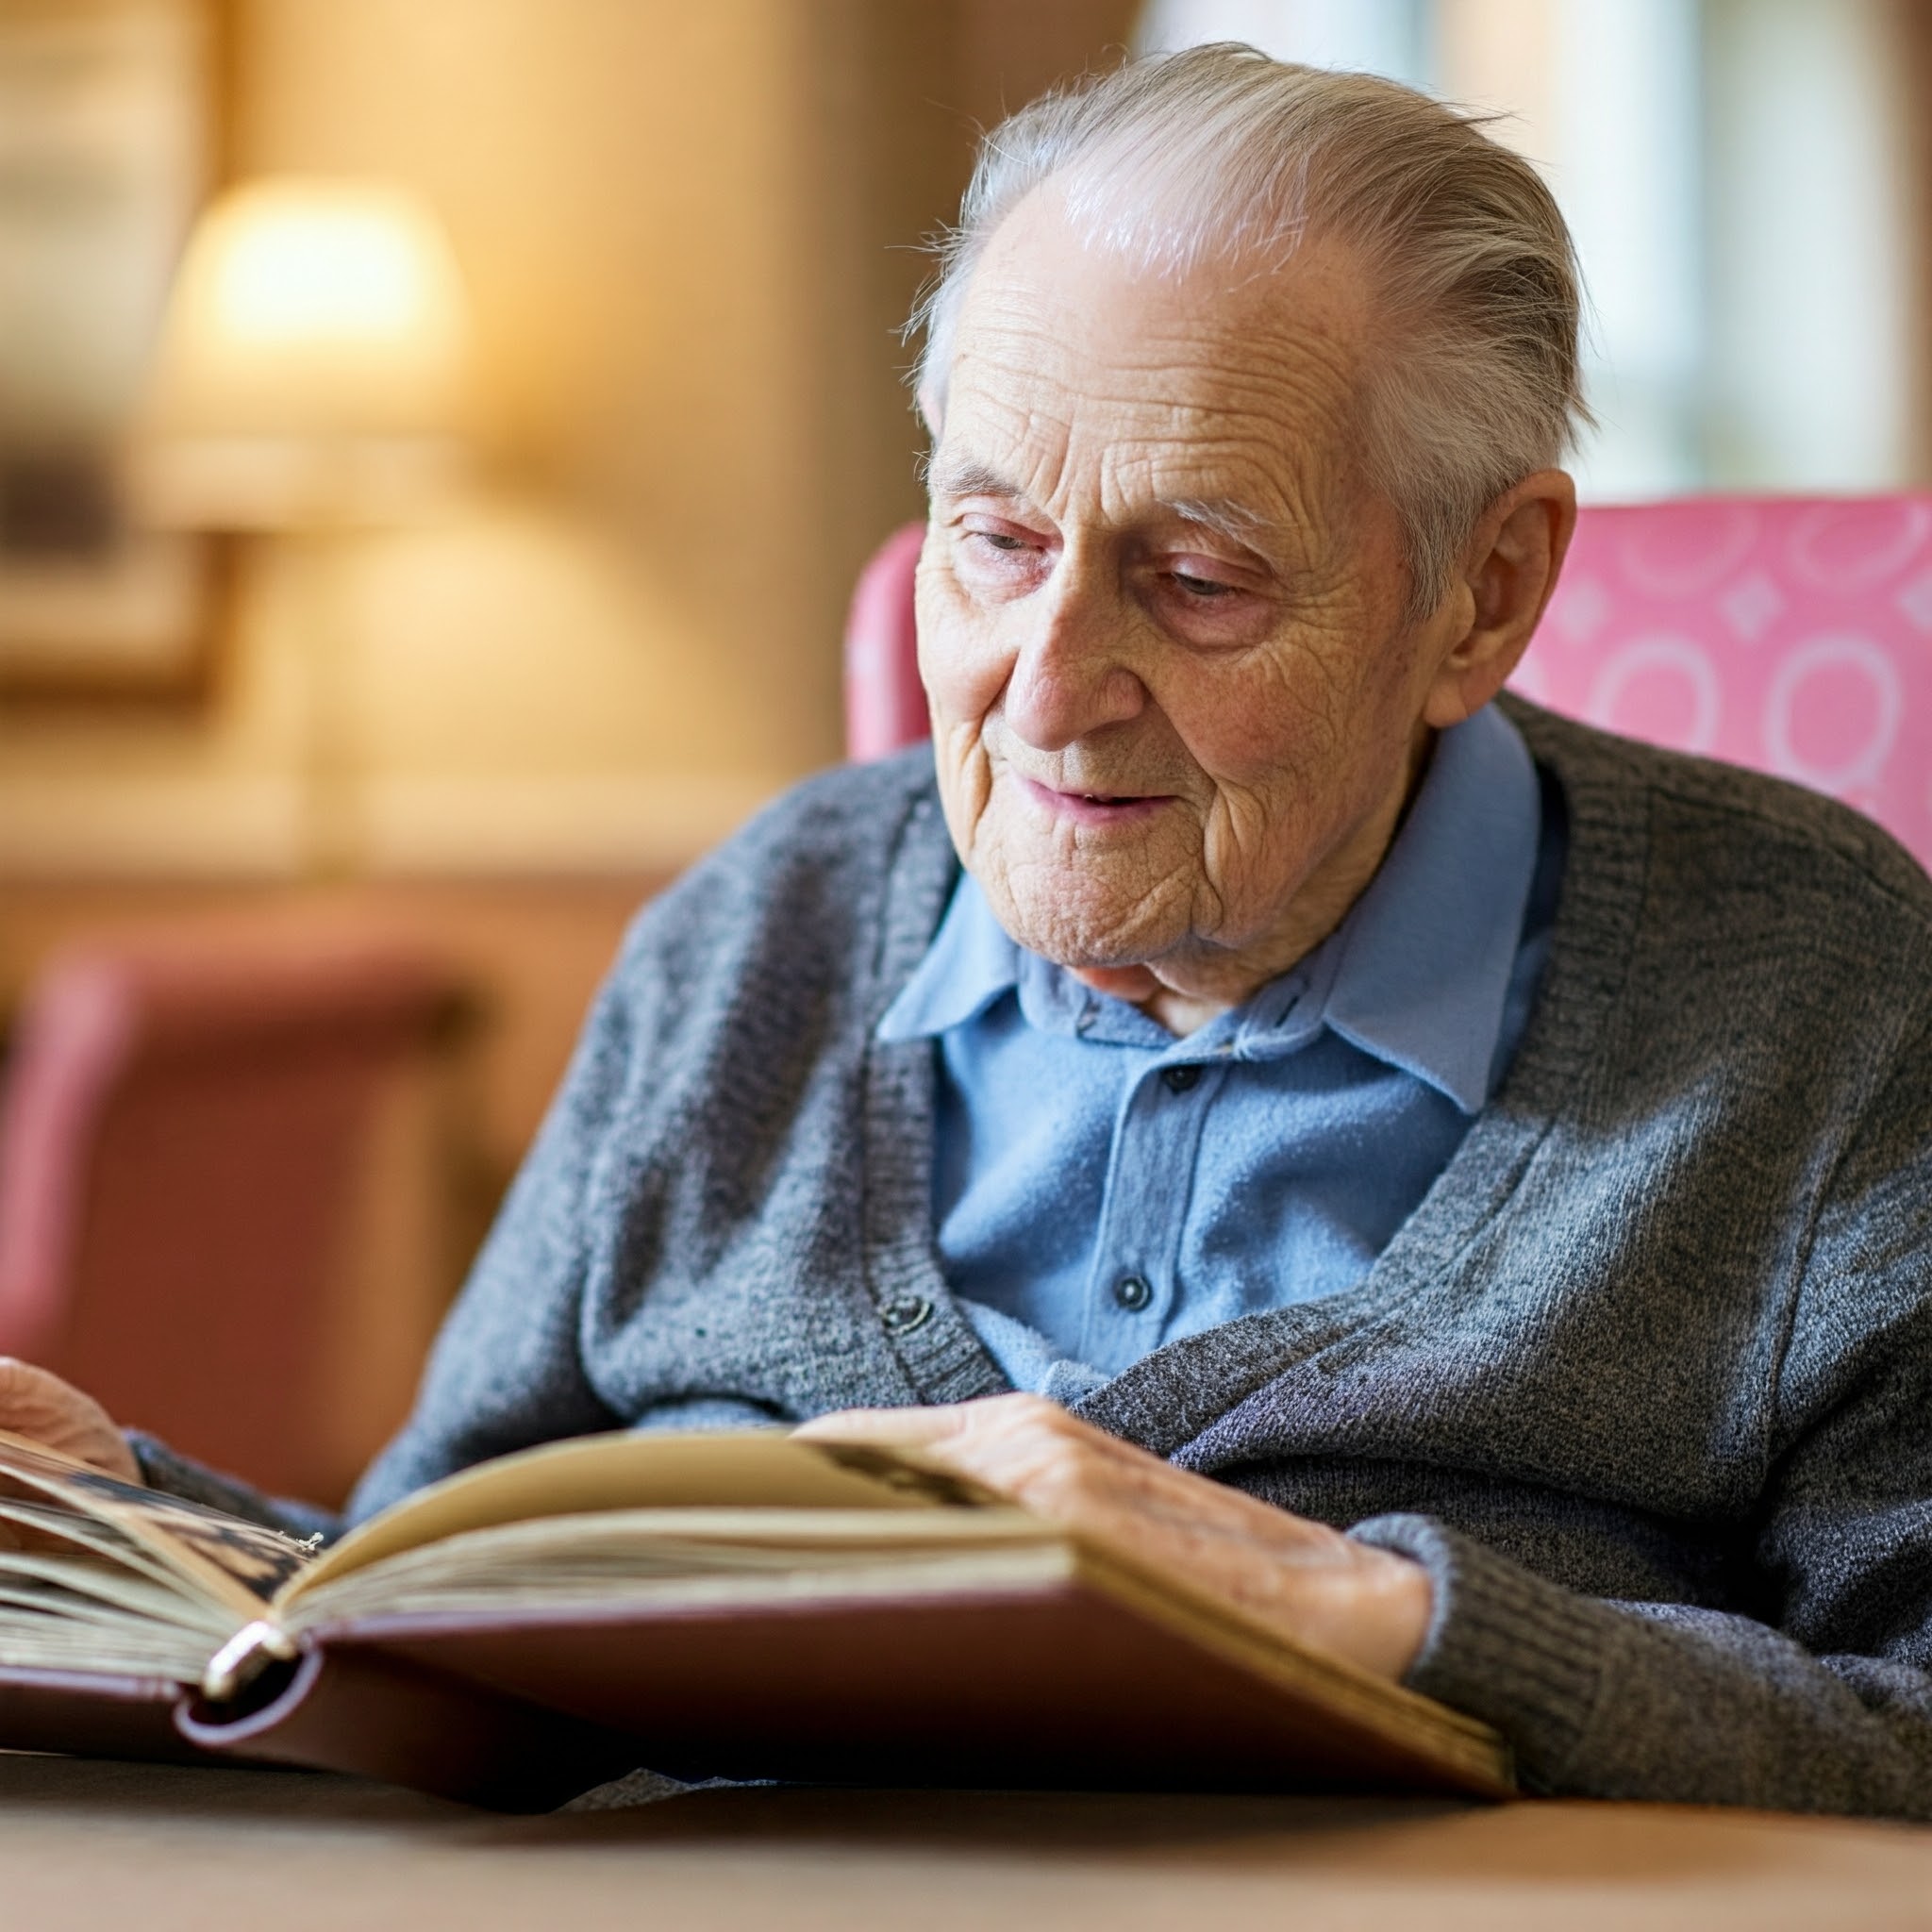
(1069,675)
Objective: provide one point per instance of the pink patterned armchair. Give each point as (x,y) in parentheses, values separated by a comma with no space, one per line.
(1790,635)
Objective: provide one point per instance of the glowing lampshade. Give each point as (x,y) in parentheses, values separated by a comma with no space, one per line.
(314,359)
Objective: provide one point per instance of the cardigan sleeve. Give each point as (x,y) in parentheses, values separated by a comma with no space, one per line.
(175,1474)
(1823,1703)
(1660,1702)
(508,1370)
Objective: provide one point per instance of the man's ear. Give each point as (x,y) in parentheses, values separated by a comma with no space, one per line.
(931,410)
(1508,571)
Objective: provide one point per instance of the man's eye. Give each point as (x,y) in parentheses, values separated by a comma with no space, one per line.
(1203,588)
(999,539)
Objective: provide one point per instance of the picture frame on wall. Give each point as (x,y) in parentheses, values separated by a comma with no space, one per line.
(112,133)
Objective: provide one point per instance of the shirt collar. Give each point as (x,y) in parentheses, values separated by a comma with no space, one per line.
(1416,975)
(971,963)
(1428,949)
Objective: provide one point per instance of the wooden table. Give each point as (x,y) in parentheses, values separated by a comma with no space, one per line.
(146,1849)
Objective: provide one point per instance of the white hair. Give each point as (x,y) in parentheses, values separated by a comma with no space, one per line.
(1220,153)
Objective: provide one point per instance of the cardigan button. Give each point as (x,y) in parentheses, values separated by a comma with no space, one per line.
(909,1312)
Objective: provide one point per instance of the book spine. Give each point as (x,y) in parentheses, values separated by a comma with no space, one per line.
(92,1715)
(352,1710)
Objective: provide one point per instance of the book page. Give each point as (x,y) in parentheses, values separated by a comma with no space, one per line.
(692,1558)
(78,1596)
(219,1559)
(91,1558)
(714,1469)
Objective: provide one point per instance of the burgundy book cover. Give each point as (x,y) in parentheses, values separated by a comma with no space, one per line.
(1043,1687)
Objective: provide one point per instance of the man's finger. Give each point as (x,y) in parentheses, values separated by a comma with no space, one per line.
(909,1426)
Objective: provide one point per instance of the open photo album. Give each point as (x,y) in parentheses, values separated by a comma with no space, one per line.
(728,1605)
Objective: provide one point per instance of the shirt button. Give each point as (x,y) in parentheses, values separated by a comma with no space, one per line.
(1181,1079)
(1132,1293)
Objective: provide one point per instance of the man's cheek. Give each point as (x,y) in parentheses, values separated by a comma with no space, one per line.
(1250,721)
(963,671)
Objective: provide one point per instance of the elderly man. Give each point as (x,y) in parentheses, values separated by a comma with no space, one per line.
(1459,1184)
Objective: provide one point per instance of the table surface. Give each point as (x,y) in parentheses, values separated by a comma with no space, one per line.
(122,1846)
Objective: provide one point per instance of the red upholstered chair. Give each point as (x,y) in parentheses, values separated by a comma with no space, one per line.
(180,1128)
(1793,636)
(885,704)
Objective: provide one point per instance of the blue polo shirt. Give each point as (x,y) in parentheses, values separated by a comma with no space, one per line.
(1101,1186)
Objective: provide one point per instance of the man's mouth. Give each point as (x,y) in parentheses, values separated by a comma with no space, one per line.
(1094,807)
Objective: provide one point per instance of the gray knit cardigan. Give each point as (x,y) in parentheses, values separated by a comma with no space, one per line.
(1644,1381)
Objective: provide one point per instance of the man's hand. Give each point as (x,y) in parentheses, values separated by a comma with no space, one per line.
(1307,1580)
(46,1409)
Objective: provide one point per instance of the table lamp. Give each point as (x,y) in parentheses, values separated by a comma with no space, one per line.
(311,380)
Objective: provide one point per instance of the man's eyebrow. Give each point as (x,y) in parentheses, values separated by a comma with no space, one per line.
(1220,514)
(963,476)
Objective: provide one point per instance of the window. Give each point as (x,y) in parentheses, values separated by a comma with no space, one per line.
(1733,171)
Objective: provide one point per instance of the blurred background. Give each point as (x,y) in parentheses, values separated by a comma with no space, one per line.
(371,645)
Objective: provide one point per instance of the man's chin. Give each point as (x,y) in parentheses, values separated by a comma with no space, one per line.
(1083,933)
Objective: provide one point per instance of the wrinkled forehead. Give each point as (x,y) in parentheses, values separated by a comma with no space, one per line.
(1084,367)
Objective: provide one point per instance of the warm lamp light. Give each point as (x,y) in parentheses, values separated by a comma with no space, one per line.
(311,379)
(313,364)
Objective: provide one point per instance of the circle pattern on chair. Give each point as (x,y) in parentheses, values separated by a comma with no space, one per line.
(1793,637)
